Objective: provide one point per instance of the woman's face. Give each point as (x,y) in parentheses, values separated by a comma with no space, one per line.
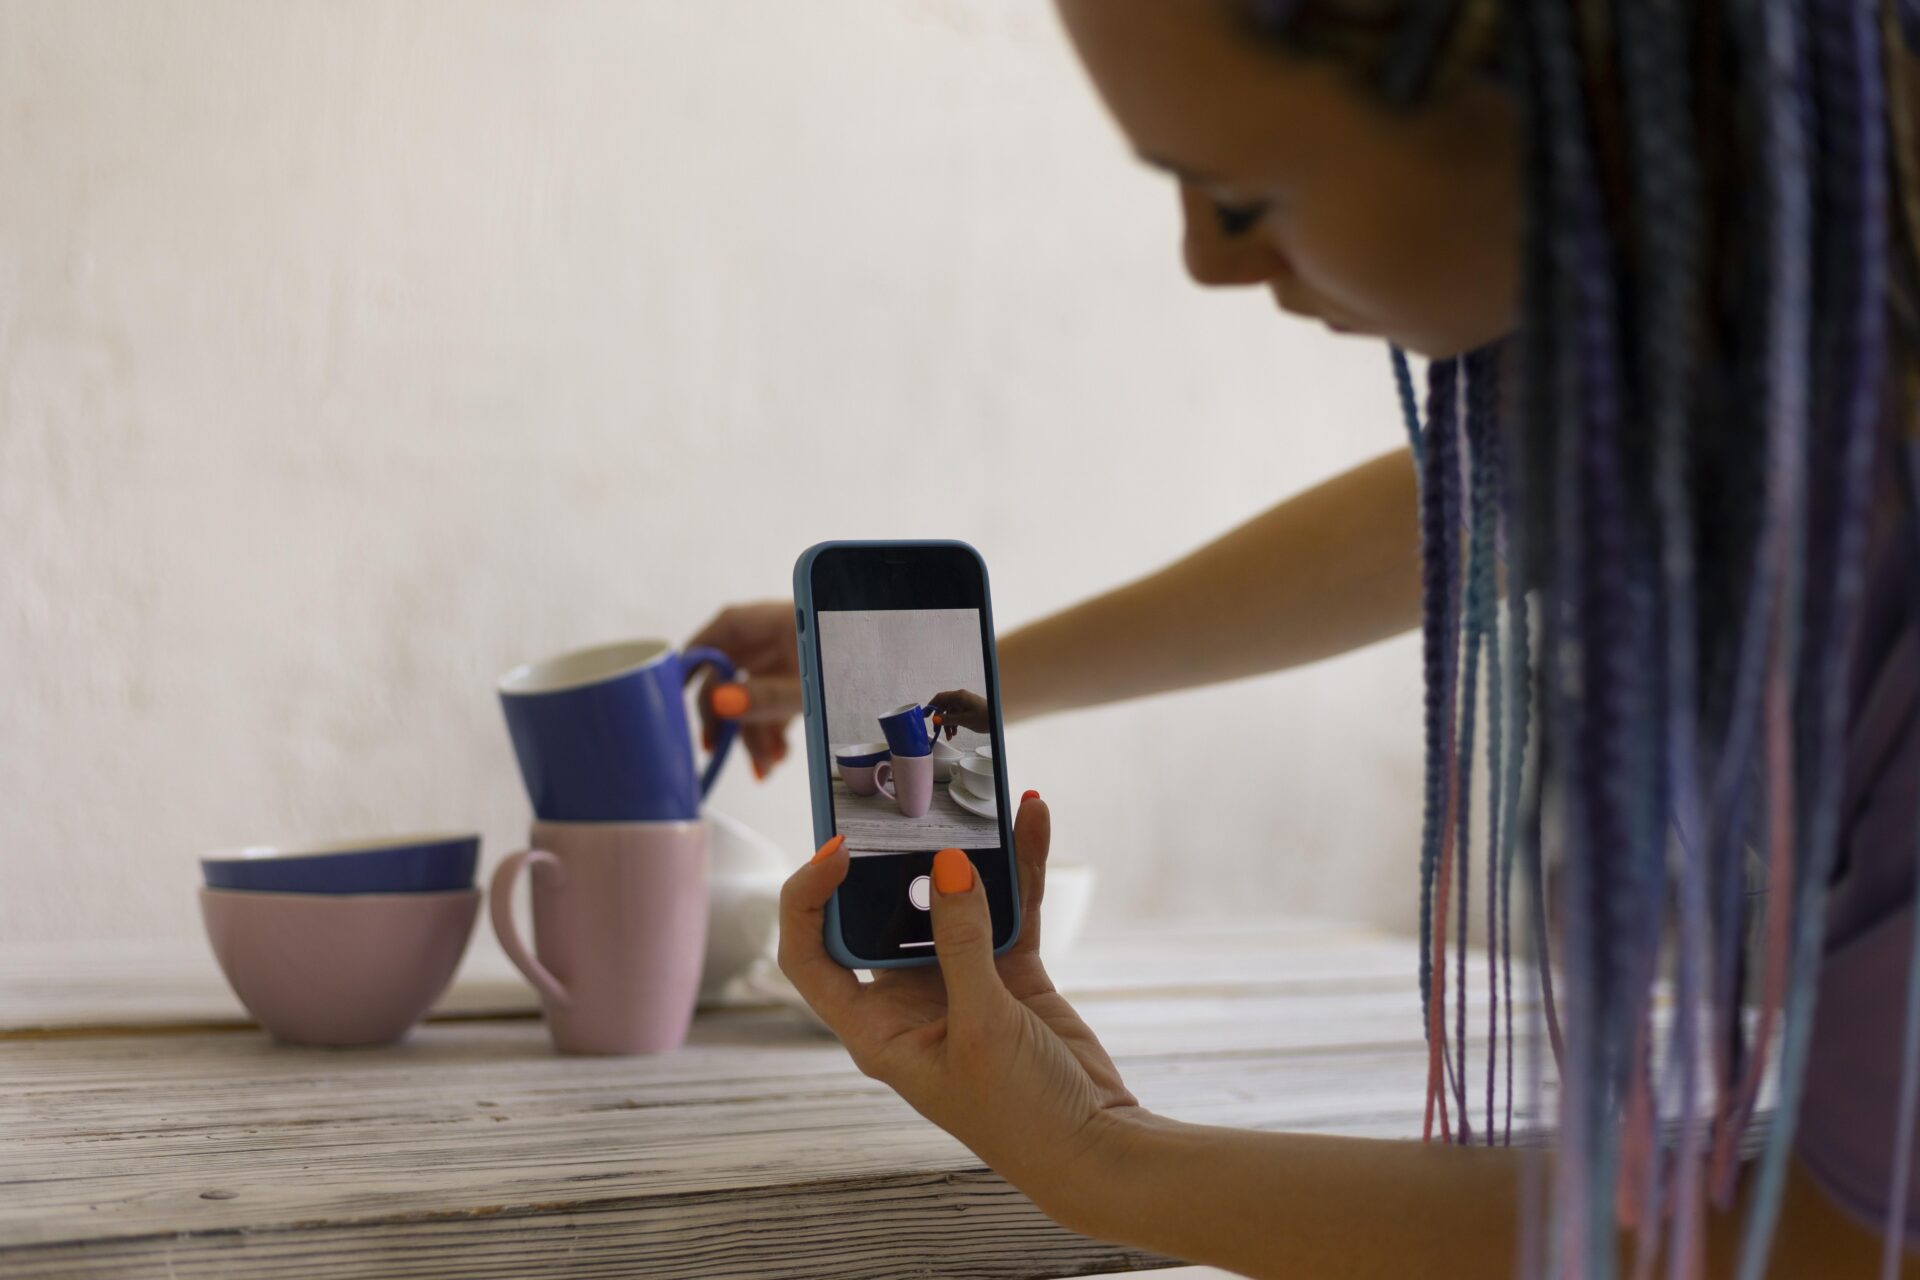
(1406,226)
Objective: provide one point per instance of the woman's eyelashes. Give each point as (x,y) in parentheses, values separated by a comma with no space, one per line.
(1238,219)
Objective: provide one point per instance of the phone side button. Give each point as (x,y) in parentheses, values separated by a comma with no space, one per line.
(920,892)
(806,696)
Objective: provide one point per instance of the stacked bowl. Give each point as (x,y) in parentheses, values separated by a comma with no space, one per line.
(342,944)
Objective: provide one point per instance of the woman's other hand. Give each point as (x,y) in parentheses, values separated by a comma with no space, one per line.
(760,640)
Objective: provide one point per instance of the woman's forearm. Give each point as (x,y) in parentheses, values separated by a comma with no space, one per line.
(1301,1205)
(1316,1205)
(1330,570)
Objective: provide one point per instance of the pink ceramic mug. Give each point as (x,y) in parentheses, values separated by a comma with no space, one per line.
(619,930)
(908,782)
(859,778)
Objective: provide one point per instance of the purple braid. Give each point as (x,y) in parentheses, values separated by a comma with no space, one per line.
(1483,630)
(1439,477)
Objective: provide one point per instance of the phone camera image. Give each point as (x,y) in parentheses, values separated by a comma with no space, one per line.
(909,727)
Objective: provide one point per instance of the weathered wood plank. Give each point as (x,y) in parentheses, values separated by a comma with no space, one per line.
(471,1149)
(471,1116)
(967,1223)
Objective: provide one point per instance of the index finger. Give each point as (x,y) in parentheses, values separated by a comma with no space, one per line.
(1032,841)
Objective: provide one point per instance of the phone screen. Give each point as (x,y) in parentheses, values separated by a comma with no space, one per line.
(911,704)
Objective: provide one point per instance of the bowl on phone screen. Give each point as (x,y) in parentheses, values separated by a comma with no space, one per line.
(976,776)
(945,757)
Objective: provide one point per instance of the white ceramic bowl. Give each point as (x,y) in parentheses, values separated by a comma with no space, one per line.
(745,873)
(1063,914)
(945,758)
(976,775)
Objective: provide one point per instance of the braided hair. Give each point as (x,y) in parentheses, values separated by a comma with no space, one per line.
(1678,468)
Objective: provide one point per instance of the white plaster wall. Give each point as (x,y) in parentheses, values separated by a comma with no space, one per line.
(352,351)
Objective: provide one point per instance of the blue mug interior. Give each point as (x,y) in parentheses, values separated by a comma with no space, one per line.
(394,864)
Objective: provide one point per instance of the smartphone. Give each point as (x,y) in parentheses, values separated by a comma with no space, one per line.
(893,634)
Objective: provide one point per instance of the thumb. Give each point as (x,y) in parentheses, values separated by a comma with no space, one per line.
(963,934)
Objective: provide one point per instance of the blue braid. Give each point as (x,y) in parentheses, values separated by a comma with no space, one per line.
(1657,100)
(1851,374)
(1773,29)
(1409,406)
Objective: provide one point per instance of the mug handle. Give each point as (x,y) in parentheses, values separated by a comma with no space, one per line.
(500,907)
(691,661)
(883,779)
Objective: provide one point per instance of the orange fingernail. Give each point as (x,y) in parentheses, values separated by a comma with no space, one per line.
(1031,795)
(759,771)
(952,871)
(830,848)
(729,701)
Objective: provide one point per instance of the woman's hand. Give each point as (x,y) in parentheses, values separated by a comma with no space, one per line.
(962,709)
(760,640)
(983,1047)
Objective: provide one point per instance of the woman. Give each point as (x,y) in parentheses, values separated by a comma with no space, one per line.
(1680,237)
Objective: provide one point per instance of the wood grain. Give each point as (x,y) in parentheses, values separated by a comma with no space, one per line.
(757,1150)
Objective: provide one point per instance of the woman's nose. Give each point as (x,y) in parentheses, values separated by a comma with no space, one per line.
(1215,257)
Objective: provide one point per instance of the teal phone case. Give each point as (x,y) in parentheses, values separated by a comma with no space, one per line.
(820,766)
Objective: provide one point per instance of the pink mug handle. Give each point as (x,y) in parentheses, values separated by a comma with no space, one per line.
(500,907)
(883,779)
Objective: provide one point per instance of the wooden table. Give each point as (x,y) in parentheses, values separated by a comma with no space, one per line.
(147,1130)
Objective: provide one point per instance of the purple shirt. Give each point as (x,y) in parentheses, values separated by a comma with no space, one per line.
(1851,1104)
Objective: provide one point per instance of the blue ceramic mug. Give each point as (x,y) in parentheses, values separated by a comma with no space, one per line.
(602,736)
(906,730)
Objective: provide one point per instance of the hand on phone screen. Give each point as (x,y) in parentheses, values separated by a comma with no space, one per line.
(962,709)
